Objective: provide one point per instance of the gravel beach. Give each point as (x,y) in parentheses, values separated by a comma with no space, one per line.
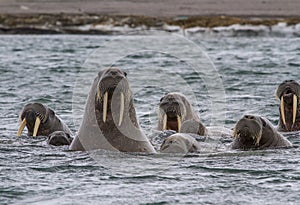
(102,17)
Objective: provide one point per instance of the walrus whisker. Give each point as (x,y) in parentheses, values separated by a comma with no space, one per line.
(282,111)
(295,103)
(165,119)
(42,117)
(21,128)
(36,126)
(105,102)
(122,104)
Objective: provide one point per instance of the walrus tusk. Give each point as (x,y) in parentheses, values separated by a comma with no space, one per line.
(178,122)
(165,119)
(257,138)
(282,111)
(36,126)
(21,128)
(105,100)
(122,104)
(234,133)
(295,103)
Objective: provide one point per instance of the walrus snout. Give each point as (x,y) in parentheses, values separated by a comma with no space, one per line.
(179,143)
(59,138)
(248,130)
(287,88)
(173,145)
(32,116)
(172,110)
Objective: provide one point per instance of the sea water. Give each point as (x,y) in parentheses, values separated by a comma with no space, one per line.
(223,77)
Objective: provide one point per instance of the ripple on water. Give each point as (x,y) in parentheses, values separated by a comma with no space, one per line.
(45,68)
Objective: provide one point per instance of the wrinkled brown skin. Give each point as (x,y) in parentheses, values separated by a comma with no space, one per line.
(251,125)
(180,143)
(94,133)
(50,122)
(175,104)
(287,89)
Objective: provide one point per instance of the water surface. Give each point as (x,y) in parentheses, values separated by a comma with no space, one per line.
(46,68)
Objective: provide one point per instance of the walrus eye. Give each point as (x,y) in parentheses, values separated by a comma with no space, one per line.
(161,99)
(125,74)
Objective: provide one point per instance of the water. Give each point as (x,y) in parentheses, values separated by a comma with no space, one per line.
(48,69)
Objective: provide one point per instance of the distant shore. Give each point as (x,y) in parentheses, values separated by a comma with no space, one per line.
(103,17)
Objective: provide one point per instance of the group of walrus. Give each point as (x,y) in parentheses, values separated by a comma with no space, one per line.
(110,122)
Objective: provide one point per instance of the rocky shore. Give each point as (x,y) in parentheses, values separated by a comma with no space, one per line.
(108,24)
(117,17)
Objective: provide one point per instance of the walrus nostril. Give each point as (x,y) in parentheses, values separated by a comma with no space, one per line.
(113,72)
(250,117)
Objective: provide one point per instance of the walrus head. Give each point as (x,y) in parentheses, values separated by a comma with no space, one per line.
(289,92)
(59,138)
(249,131)
(35,116)
(179,143)
(112,96)
(193,126)
(173,110)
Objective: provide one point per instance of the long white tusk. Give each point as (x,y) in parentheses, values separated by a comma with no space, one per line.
(165,119)
(178,122)
(36,126)
(105,102)
(21,128)
(282,110)
(122,104)
(295,103)
(234,133)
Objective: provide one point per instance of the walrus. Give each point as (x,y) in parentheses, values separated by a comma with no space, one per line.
(180,143)
(255,132)
(40,120)
(109,120)
(174,108)
(59,138)
(288,92)
(198,128)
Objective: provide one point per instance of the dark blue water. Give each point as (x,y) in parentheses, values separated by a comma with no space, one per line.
(56,70)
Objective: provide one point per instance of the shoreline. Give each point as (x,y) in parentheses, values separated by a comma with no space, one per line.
(64,23)
(120,17)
